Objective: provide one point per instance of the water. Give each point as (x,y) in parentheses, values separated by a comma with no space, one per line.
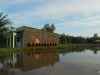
(67,62)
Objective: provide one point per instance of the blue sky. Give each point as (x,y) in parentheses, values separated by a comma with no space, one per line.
(73,17)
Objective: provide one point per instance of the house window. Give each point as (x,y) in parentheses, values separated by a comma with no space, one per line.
(29,45)
(50,44)
(36,44)
(33,44)
(19,36)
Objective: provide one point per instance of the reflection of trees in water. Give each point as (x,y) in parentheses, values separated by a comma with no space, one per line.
(33,60)
(71,50)
(4,64)
(79,49)
(95,49)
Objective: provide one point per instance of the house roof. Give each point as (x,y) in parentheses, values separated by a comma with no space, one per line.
(22,28)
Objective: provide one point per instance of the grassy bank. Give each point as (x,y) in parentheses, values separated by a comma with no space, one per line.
(65,46)
(59,48)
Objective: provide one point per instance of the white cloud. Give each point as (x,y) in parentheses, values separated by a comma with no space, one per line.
(88,10)
(60,8)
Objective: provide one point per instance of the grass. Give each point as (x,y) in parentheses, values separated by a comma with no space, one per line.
(4,52)
(7,51)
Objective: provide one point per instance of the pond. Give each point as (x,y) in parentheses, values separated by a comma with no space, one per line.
(68,62)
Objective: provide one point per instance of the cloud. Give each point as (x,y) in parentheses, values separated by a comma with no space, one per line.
(77,16)
(61,8)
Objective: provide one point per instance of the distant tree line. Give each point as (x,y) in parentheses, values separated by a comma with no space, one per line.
(65,39)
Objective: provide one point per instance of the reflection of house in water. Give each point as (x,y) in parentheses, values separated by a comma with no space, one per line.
(27,36)
(28,61)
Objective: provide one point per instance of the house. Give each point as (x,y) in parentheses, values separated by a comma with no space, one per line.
(28,37)
(11,39)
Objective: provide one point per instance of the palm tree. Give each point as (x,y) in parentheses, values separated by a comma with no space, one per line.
(4,21)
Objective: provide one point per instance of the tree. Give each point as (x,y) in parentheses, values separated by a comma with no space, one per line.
(63,39)
(95,35)
(4,21)
(46,27)
(52,27)
(49,28)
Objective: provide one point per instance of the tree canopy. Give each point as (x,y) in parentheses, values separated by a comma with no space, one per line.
(65,39)
(49,28)
(4,21)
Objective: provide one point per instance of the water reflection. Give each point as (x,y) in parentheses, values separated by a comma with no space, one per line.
(31,60)
(95,50)
(59,62)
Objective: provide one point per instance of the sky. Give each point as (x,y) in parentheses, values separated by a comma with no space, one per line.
(72,17)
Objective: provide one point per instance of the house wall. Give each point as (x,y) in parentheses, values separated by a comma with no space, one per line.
(36,36)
